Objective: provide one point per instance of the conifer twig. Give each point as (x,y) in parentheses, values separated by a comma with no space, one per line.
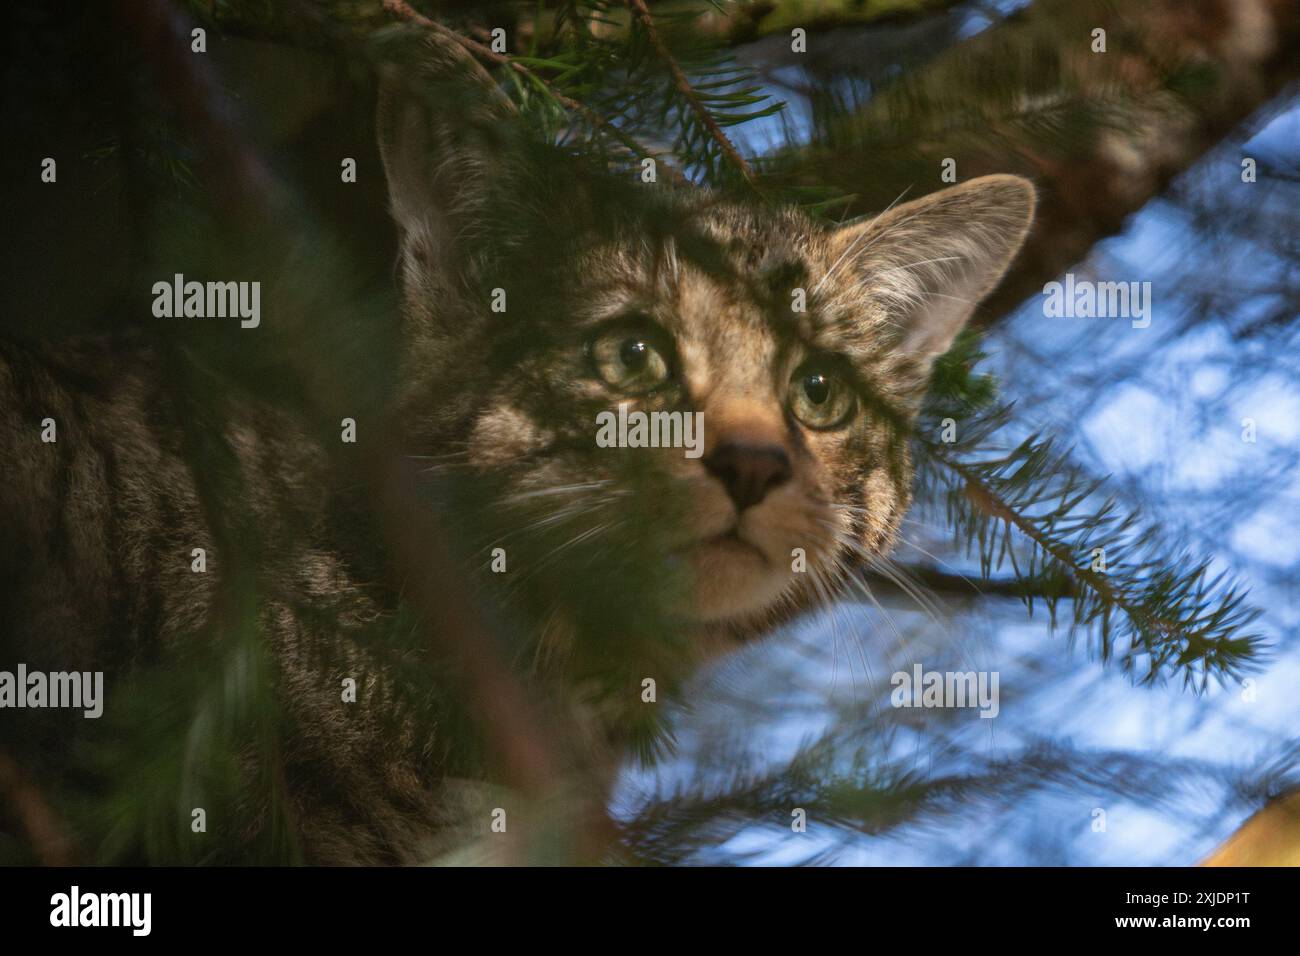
(404,10)
(1179,619)
(642,13)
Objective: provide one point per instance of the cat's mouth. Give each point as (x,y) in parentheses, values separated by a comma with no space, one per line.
(732,575)
(733,542)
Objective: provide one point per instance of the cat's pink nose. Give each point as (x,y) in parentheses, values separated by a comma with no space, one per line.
(748,470)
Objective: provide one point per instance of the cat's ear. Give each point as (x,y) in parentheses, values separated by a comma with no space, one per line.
(930,261)
(441,123)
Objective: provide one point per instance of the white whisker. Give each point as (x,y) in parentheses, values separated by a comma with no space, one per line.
(865,229)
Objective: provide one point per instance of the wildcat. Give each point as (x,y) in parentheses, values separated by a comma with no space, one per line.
(681,303)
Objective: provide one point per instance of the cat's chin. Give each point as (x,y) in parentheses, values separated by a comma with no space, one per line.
(733,578)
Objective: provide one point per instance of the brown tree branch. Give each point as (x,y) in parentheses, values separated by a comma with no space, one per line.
(683,84)
(513,728)
(401,8)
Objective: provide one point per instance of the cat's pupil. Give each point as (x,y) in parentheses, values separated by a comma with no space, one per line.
(817,388)
(634,354)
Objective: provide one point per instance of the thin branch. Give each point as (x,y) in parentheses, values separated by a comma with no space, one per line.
(404,10)
(683,84)
(517,731)
(933,579)
(511,724)
(993,505)
(458,632)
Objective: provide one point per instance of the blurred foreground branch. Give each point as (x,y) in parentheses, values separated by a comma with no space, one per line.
(46,834)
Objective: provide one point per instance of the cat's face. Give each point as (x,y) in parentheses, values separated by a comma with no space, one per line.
(800,351)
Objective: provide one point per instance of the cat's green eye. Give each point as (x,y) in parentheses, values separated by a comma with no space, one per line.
(631,360)
(820,397)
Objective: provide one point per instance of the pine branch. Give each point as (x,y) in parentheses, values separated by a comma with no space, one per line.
(683,85)
(847,790)
(404,10)
(1178,620)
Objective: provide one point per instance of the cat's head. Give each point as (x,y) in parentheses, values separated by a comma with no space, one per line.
(537,305)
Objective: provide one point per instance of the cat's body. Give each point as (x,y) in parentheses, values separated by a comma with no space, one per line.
(805,456)
(100,527)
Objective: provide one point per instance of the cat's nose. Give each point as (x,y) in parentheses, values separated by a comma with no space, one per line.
(748,470)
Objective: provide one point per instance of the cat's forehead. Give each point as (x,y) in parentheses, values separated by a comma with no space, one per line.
(767,273)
